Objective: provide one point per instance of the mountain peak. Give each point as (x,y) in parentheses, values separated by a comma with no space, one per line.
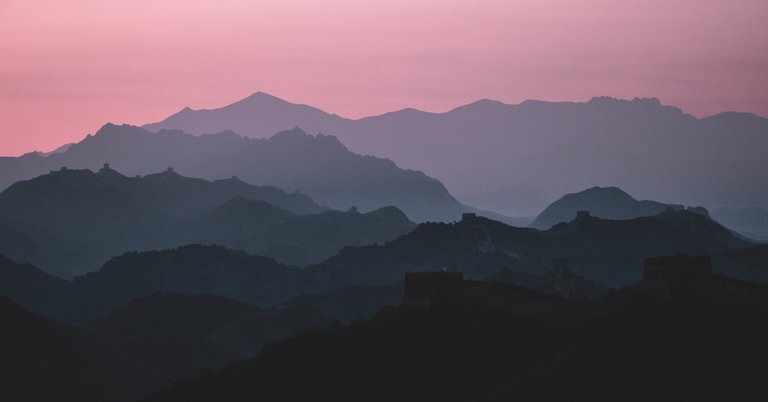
(653,101)
(481,105)
(262,95)
(262,99)
(603,202)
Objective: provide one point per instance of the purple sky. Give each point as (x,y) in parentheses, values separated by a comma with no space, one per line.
(67,67)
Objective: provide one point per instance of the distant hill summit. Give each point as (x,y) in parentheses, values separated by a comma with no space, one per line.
(70,221)
(515,158)
(602,202)
(316,165)
(260,115)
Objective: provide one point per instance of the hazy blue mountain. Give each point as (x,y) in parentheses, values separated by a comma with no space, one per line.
(515,159)
(602,202)
(612,251)
(750,222)
(202,270)
(319,166)
(188,271)
(259,115)
(261,228)
(38,291)
(71,221)
(604,251)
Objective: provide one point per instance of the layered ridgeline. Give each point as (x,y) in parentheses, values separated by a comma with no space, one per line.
(155,340)
(602,202)
(632,345)
(70,221)
(319,166)
(514,159)
(144,344)
(610,252)
(750,222)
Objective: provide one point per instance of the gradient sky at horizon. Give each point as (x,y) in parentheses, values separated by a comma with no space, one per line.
(69,66)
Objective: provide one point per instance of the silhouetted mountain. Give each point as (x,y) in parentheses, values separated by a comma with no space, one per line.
(191,270)
(602,202)
(43,360)
(749,263)
(216,271)
(71,221)
(200,270)
(38,291)
(352,303)
(633,345)
(605,251)
(319,166)
(180,335)
(130,351)
(514,159)
(750,222)
(560,281)
(613,250)
(259,116)
(261,228)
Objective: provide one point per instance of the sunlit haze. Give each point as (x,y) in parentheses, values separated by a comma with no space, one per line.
(67,67)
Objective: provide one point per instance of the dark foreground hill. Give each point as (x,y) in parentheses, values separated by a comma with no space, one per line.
(140,346)
(489,351)
(633,345)
(43,360)
(71,221)
(319,166)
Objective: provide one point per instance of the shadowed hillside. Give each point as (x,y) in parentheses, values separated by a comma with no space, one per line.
(319,166)
(70,221)
(632,345)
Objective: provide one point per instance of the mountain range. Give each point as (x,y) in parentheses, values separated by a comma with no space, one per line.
(178,346)
(597,252)
(70,221)
(602,202)
(318,166)
(514,159)
(630,345)
(147,319)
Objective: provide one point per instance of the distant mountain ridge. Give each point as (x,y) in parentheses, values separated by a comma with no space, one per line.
(319,166)
(751,222)
(602,202)
(70,221)
(514,159)
(259,115)
(596,251)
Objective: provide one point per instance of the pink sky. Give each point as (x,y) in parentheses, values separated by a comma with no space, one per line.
(67,67)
